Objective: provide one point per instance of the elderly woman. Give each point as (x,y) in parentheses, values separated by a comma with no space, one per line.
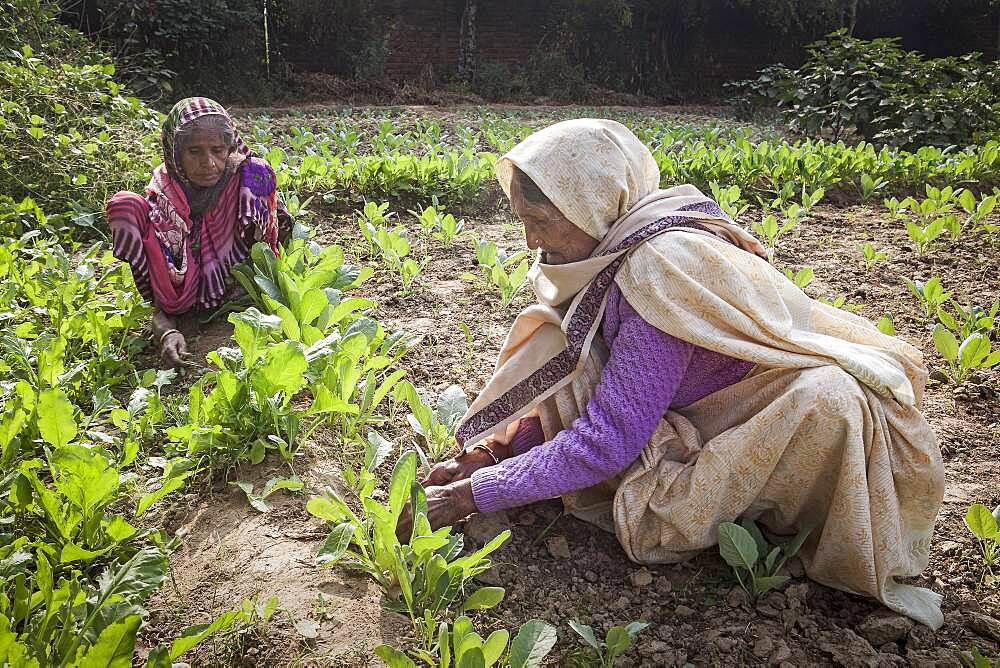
(204,208)
(670,379)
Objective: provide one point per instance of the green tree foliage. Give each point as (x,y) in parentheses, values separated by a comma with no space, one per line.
(883,93)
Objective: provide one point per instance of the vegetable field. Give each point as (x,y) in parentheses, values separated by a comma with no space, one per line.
(242,511)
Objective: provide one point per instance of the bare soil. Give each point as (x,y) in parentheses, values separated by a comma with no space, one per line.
(230,551)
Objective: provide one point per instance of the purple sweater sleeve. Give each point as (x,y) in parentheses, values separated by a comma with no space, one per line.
(637,385)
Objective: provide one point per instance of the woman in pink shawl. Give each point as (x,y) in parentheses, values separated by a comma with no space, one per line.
(203,210)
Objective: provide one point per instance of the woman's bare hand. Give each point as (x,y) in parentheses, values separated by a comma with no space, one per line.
(446,505)
(463,465)
(173,351)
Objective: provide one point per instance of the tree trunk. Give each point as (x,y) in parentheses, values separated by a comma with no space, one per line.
(467,43)
(851,16)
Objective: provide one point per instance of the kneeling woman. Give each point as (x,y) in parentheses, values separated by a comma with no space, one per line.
(205,206)
(670,379)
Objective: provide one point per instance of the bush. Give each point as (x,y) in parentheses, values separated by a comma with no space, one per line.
(493,81)
(550,73)
(69,132)
(883,93)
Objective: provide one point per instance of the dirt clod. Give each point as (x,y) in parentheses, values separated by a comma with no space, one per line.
(880,628)
(558,547)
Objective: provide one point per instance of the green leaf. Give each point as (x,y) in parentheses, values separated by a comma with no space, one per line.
(56,421)
(981,522)
(336,544)
(635,628)
(256,502)
(451,406)
(586,633)
(393,658)
(273,485)
(483,598)
(737,546)
(404,473)
(113,647)
(973,351)
(472,658)
(763,585)
(618,642)
(193,635)
(946,343)
(283,369)
(495,645)
(533,642)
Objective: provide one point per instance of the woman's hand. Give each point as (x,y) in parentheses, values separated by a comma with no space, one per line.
(463,465)
(446,505)
(173,351)
(173,347)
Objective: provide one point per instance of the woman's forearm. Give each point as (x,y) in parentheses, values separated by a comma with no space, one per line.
(637,385)
(162,322)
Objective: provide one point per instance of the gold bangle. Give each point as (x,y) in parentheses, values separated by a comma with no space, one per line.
(169,331)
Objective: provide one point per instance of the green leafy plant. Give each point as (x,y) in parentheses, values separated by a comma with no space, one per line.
(871,186)
(886,325)
(617,641)
(505,273)
(430,575)
(801,278)
(460,645)
(840,301)
(259,501)
(872,256)
(372,218)
(977,659)
(984,526)
(968,320)
(772,231)
(977,211)
(923,236)
(729,199)
(975,352)
(754,562)
(436,426)
(304,286)
(931,294)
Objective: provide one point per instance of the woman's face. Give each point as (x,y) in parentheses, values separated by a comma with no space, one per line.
(204,156)
(546,228)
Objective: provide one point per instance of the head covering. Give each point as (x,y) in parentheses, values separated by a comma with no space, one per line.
(208,229)
(600,176)
(183,114)
(553,158)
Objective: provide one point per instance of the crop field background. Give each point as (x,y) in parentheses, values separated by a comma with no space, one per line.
(836,218)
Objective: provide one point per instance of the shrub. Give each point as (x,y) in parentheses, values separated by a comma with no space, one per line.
(69,132)
(550,73)
(885,94)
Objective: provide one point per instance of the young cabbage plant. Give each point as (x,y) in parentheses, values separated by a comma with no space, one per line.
(975,352)
(436,426)
(872,255)
(744,547)
(617,641)
(459,645)
(871,186)
(931,294)
(505,273)
(887,325)
(772,231)
(923,236)
(801,278)
(729,199)
(967,321)
(985,526)
(372,218)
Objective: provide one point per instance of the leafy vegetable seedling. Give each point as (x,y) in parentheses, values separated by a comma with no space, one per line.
(975,352)
(436,427)
(259,501)
(984,526)
(616,643)
(743,546)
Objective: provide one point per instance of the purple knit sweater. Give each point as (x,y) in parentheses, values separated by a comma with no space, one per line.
(647,373)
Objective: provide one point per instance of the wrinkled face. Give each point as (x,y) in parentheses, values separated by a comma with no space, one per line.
(203,157)
(546,228)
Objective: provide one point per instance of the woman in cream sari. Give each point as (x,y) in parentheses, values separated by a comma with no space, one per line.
(670,379)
